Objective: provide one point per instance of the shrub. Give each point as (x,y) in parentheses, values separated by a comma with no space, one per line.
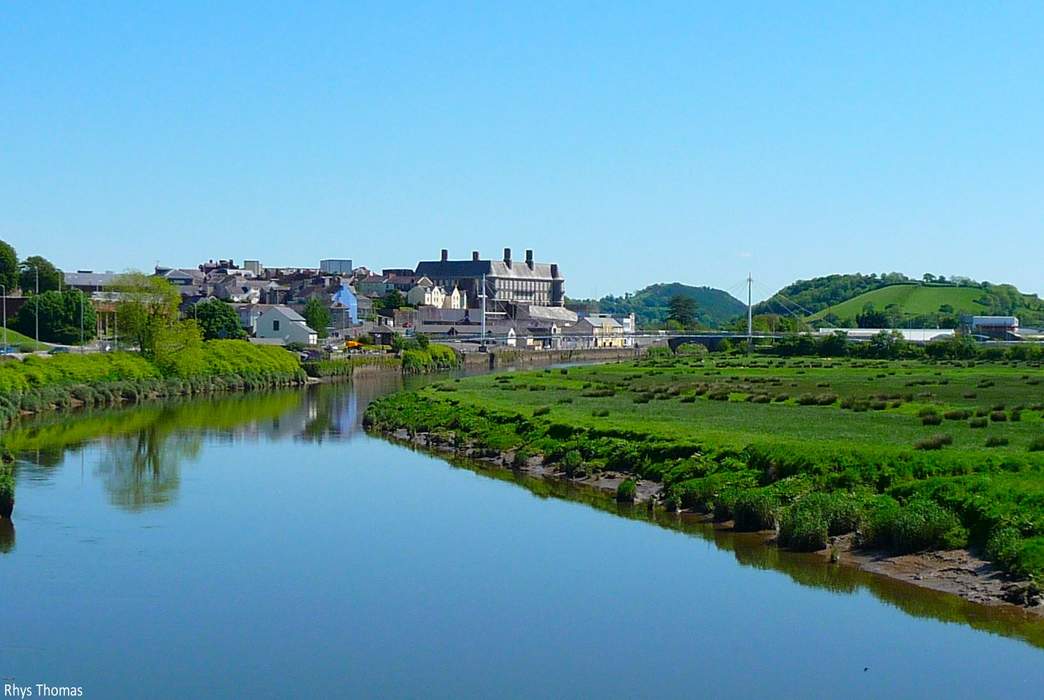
(995,441)
(541,410)
(754,510)
(998,416)
(935,442)
(924,524)
(1003,546)
(572,462)
(627,491)
(978,423)
(600,412)
(931,419)
(1037,445)
(520,458)
(803,529)
(959,414)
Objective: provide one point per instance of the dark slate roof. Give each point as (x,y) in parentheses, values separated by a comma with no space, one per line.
(437,269)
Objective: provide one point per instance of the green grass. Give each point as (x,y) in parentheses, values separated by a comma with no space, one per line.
(704,429)
(17,340)
(913,300)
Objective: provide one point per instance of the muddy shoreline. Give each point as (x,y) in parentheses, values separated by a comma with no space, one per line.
(958,572)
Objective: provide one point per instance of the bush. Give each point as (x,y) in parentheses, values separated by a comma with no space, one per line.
(1037,445)
(995,441)
(1003,546)
(998,416)
(600,412)
(754,510)
(541,411)
(803,529)
(572,462)
(931,419)
(627,491)
(960,414)
(978,423)
(935,442)
(924,524)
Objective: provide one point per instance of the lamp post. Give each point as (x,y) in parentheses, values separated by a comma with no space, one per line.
(83,348)
(36,299)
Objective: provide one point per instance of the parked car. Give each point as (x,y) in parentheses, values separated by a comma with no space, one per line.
(57,351)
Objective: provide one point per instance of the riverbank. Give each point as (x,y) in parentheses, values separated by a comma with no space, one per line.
(42,384)
(957,572)
(826,478)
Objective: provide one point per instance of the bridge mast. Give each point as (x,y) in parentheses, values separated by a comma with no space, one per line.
(750,313)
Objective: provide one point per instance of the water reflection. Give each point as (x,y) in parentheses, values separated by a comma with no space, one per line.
(809,570)
(7,536)
(144,470)
(143,448)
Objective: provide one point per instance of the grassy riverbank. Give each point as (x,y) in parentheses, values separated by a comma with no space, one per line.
(44,383)
(907,455)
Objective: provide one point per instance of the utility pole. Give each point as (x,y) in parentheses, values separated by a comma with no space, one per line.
(483,297)
(750,313)
(37,300)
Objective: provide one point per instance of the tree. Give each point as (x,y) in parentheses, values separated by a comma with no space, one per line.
(59,317)
(681,309)
(393,300)
(218,320)
(8,266)
(51,277)
(177,349)
(872,318)
(147,306)
(317,316)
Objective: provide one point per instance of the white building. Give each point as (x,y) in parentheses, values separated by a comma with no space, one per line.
(283,323)
(427,293)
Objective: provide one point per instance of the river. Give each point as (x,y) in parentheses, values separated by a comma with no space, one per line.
(264,546)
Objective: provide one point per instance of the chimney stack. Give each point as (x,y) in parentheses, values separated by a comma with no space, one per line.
(474,256)
(445,255)
(554,269)
(507,256)
(529,259)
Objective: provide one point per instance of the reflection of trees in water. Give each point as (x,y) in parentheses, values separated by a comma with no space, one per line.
(144,470)
(7,536)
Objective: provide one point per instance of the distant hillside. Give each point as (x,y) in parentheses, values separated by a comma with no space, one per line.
(713,306)
(932,305)
(806,297)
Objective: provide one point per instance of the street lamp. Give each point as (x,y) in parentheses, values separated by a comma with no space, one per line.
(37,301)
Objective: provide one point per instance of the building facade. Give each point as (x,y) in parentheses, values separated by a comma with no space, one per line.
(507,281)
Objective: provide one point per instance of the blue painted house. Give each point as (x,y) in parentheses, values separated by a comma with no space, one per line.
(347,298)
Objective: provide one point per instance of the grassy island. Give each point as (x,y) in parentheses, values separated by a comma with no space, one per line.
(897,455)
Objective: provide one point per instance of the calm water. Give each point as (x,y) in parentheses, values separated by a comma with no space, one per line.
(264,546)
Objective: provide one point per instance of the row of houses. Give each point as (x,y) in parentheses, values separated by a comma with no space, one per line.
(522,302)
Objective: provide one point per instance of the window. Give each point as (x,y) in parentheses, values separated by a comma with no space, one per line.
(275,325)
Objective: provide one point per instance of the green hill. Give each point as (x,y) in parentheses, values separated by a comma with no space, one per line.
(714,307)
(912,300)
(807,297)
(932,305)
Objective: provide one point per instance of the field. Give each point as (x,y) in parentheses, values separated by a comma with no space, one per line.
(911,455)
(912,299)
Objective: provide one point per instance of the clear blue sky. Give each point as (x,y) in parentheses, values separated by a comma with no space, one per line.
(631,143)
